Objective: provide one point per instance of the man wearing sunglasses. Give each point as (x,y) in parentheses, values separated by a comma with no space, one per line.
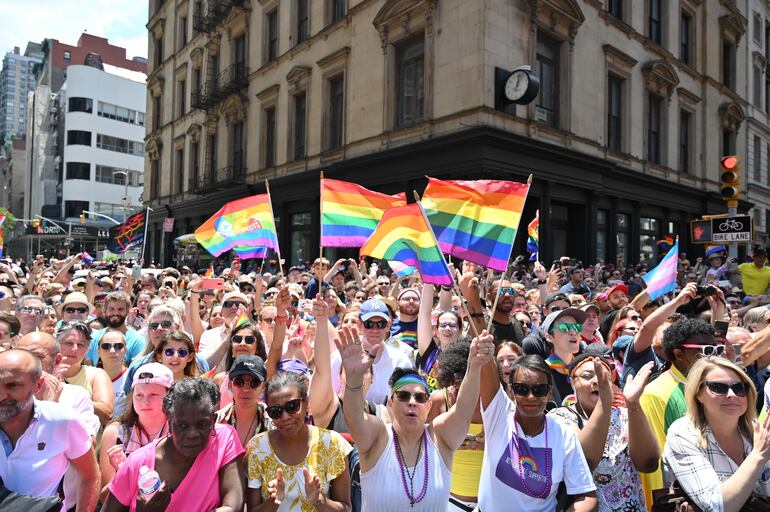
(504,327)
(29,311)
(75,308)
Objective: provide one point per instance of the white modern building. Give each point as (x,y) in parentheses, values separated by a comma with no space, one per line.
(103,158)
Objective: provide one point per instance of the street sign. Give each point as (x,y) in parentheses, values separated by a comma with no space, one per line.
(168,224)
(700,231)
(76,230)
(731,229)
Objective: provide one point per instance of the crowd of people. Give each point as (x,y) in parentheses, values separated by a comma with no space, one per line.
(342,387)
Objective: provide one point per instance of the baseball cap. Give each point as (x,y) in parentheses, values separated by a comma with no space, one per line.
(620,287)
(553,297)
(621,344)
(372,308)
(235,295)
(252,366)
(549,321)
(586,307)
(153,373)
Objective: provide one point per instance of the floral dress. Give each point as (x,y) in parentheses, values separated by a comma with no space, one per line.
(618,485)
(326,458)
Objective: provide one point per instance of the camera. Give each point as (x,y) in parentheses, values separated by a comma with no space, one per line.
(706,290)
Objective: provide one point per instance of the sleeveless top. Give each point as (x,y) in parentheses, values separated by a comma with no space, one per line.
(466,464)
(338,424)
(83,379)
(391,497)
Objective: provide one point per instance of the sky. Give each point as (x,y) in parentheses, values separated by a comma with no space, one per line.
(120,21)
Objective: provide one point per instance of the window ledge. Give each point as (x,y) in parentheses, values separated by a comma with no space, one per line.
(331,155)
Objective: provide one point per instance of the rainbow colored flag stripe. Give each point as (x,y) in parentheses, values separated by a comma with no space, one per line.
(533,240)
(662,279)
(404,235)
(350,212)
(210,272)
(241,321)
(246,222)
(476,220)
(249,253)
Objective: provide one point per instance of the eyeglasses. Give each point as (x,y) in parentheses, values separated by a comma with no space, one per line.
(109,346)
(182,352)
(375,324)
(239,382)
(383,283)
(721,388)
(565,327)
(538,390)
(268,320)
(631,327)
(249,340)
(248,289)
(291,407)
(406,396)
(706,350)
(164,324)
(231,303)
(506,291)
(170,284)
(447,325)
(635,318)
(76,310)
(32,311)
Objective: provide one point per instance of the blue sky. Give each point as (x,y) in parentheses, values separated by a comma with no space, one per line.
(120,21)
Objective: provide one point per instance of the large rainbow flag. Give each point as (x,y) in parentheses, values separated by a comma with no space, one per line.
(245,252)
(350,212)
(404,235)
(476,220)
(246,222)
(662,279)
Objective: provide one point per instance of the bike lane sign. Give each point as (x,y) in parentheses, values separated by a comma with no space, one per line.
(732,229)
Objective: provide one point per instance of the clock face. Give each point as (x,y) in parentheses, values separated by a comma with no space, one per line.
(516,85)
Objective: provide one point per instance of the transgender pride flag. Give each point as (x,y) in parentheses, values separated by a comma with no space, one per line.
(662,279)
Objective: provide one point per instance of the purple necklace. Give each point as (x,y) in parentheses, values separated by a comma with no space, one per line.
(515,442)
(409,490)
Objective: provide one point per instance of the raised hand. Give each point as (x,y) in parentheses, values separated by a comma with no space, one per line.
(635,384)
(355,359)
(482,350)
(604,378)
(312,487)
(282,301)
(469,282)
(762,438)
(320,309)
(276,488)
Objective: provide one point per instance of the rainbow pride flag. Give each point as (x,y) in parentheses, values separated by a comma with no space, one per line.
(662,279)
(533,239)
(350,212)
(476,220)
(666,243)
(249,253)
(244,222)
(210,272)
(242,320)
(404,235)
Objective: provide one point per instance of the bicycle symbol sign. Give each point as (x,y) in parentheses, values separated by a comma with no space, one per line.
(732,229)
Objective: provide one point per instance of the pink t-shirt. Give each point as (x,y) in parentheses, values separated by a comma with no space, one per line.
(222,448)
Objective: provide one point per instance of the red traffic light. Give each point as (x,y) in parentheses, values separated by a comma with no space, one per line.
(729,162)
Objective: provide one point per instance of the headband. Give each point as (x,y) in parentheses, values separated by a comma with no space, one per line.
(409,378)
(575,365)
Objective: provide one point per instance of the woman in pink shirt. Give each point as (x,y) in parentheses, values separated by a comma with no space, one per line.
(197,462)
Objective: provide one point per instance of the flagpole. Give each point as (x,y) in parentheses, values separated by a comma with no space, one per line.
(144,240)
(277,244)
(507,266)
(321,236)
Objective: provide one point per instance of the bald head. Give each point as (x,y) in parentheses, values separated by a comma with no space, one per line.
(43,345)
(17,361)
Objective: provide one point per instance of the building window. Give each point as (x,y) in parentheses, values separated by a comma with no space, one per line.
(179,175)
(757,29)
(614,113)
(338,10)
(685,131)
(728,141)
(757,159)
(615,8)
(728,64)
(155,179)
(301,241)
(119,145)
(303,21)
(410,81)
(75,208)
(197,15)
(269,136)
(601,235)
(195,163)
(239,55)
(547,66)
(181,90)
(272,35)
(654,21)
(336,111)
(182,32)
(81,105)
(115,176)
(78,171)
(655,104)
(156,118)
(211,154)
(300,111)
(237,159)
(125,115)
(158,51)
(767,165)
(649,229)
(767,90)
(67,56)
(195,87)
(757,86)
(78,137)
(685,39)
(622,226)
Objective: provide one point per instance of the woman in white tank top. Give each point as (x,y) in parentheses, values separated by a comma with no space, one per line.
(405,465)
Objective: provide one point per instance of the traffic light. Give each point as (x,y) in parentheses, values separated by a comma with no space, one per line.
(730,179)
(35,223)
(82,218)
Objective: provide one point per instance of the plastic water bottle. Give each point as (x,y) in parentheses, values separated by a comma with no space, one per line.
(149,482)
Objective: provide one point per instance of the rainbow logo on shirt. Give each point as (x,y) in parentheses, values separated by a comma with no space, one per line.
(530,463)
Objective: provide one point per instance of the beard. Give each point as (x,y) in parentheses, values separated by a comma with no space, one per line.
(11,408)
(116,321)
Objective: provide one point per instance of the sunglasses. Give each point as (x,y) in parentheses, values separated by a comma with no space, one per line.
(182,352)
(239,382)
(295,303)
(291,407)
(231,303)
(248,339)
(33,311)
(565,327)
(506,291)
(268,320)
(720,388)
(165,324)
(706,350)
(538,390)
(447,325)
(76,310)
(109,346)
(406,397)
(248,289)
(375,324)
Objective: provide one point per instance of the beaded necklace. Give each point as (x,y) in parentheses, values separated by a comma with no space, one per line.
(409,490)
(515,442)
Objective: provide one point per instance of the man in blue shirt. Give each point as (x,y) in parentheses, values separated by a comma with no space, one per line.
(116,306)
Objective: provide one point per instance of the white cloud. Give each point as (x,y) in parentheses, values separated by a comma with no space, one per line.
(121,21)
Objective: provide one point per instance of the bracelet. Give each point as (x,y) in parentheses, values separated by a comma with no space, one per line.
(281,319)
(476,315)
(355,388)
(197,293)
(446,288)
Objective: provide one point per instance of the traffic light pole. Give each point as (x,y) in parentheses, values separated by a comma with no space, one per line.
(732,211)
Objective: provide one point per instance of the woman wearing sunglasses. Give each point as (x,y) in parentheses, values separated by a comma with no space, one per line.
(406,465)
(718,452)
(246,411)
(432,340)
(296,466)
(177,353)
(112,359)
(246,340)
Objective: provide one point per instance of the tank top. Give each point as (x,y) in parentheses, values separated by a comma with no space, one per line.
(83,379)
(391,497)
(466,467)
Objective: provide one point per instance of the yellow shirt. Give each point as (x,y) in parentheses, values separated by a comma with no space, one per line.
(466,466)
(755,280)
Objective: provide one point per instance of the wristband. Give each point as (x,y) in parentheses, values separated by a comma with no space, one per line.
(349,388)
(281,319)
(446,288)
(476,315)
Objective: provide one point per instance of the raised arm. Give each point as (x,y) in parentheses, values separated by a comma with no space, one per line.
(424,327)
(643,339)
(282,301)
(323,400)
(593,436)
(642,445)
(196,325)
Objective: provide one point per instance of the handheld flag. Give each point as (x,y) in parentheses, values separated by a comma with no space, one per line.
(249,253)
(244,222)
(476,220)
(533,240)
(240,321)
(404,235)
(129,234)
(209,374)
(666,243)
(401,269)
(350,212)
(87,258)
(210,272)
(662,279)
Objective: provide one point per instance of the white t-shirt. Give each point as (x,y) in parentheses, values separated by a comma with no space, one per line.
(76,398)
(120,394)
(391,359)
(210,339)
(501,486)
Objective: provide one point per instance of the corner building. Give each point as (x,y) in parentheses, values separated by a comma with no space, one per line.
(638,101)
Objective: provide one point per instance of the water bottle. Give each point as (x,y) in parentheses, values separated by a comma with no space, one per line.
(149,482)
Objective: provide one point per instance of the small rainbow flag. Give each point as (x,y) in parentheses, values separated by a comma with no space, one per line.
(533,239)
(243,222)
(242,320)
(666,243)
(350,212)
(476,220)
(210,272)
(662,279)
(209,374)
(87,258)
(404,235)
(249,253)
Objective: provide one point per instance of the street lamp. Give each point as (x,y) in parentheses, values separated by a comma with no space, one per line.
(126,200)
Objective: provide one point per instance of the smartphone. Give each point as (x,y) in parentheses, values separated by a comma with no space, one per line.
(720,329)
(136,272)
(213,283)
